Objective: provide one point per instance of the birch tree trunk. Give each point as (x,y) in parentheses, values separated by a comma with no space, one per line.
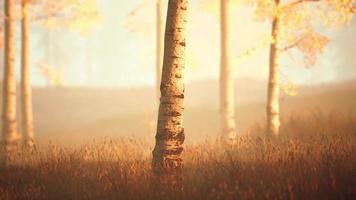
(170,132)
(89,62)
(26,90)
(10,134)
(159,46)
(2,66)
(227,106)
(273,121)
(48,53)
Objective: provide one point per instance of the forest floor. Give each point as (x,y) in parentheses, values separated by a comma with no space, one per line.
(313,159)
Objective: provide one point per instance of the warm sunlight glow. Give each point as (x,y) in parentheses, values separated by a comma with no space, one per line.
(177,99)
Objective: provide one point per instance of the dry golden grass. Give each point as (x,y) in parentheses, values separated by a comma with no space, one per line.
(313,159)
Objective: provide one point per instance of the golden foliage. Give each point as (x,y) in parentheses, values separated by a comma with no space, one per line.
(265,9)
(336,13)
(76,15)
(311,44)
(289,89)
(298,19)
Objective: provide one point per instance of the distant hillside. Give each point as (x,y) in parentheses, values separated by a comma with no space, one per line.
(86,113)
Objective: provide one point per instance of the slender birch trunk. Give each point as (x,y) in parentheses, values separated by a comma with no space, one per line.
(9,131)
(227,106)
(26,90)
(170,132)
(89,62)
(273,121)
(2,66)
(48,53)
(159,45)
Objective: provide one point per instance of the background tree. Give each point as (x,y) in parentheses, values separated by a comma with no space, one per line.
(9,131)
(227,76)
(89,61)
(80,16)
(26,90)
(170,132)
(227,72)
(159,44)
(293,28)
(273,121)
(76,19)
(2,56)
(159,20)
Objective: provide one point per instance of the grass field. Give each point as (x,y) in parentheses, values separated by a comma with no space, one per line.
(314,158)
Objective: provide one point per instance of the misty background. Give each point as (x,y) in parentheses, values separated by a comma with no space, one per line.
(109,75)
(120,50)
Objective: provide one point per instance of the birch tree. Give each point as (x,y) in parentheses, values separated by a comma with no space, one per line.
(227,78)
(159,44)
(167,152)
(159,20)
(74,15)
(9,130)
(292,27)
(227,75)
(26,90)
(273,121)
(52,12)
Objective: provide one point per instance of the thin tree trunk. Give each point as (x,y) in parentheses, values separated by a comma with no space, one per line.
(26,90)
(2,66)
(273,121)
(89,62)
(48,53)
(227,106)
(167,158)
(10,134)
(159,45)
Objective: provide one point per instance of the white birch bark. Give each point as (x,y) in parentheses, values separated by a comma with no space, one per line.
(273,121)
(227,106)
(170,132)
(9,130)
(26,90)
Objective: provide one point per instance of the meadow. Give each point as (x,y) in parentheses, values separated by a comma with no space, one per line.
(314,159)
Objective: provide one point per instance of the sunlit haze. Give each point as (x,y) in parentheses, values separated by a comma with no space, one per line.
(124,49)
(178,99)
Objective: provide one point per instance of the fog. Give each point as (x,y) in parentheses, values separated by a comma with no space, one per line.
(120,50)
(108,75)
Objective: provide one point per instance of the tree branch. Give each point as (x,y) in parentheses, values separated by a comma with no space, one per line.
(138,8)
(291,46)
(44,17)
(294,3)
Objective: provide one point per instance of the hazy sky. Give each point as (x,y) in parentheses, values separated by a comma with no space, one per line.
(122,58)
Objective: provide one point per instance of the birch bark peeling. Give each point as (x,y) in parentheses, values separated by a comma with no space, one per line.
(159,46)
(227,96)
(26,90)
(273,121)
(9,131)
(170,132)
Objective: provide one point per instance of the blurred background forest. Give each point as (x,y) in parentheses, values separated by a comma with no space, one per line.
(99,81)
(95,68)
